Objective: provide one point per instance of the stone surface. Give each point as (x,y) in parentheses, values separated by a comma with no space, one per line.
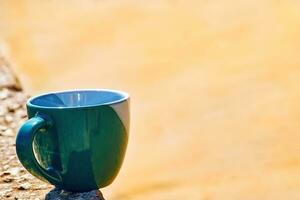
(7,78)
(58,194)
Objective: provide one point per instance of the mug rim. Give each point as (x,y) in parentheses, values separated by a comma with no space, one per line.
(125,96)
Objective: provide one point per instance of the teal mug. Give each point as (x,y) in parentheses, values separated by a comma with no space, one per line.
(75,140)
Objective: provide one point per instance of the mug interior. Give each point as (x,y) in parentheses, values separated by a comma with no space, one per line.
(78,98)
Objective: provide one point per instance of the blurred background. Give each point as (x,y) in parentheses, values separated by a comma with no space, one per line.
(214,87)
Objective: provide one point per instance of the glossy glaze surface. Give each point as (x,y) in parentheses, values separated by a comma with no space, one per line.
(84,146)
(77,98)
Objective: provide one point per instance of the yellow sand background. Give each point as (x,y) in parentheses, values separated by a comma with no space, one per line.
(215,87)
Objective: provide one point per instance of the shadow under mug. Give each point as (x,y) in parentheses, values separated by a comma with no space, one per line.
(75,140)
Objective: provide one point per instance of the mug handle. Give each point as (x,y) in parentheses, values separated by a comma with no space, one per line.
(24,147)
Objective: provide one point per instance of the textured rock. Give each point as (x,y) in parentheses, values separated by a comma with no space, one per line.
(58,194)
(7,78)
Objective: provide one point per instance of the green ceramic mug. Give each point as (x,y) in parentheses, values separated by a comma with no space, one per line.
(75,140)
